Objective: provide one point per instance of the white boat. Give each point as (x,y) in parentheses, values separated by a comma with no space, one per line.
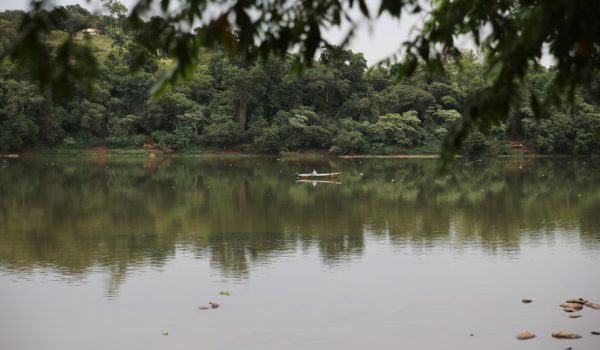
(315,175)
(315,182)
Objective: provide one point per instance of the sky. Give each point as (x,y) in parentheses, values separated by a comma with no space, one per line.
(377,40)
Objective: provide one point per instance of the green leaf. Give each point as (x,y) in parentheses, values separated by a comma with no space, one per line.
(535,105)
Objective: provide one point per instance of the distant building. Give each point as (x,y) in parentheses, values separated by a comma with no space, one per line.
(89,31)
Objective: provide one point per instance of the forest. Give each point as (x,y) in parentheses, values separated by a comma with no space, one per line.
(337,105)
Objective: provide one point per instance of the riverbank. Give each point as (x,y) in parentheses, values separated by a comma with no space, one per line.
(236,153)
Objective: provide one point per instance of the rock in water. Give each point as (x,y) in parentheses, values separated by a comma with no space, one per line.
(213,305)
(577,300)
(565,335)
(572,306)
(593,306)
(525,335)
(204,307)
(568,310)
(526,301)
(574,316)
(595,333)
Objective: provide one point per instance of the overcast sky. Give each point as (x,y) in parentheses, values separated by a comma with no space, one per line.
(376,40)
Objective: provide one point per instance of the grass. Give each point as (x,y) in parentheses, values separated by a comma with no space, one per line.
(242,151)
(85,153)
(103,45)
(431,149)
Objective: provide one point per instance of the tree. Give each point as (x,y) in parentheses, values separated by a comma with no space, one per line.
(77,18)
(121,131)
(242,83)
(476,144)
(117,12)
(194,119)
(94,118)
(162,113)
(266,102)
(403,97)
(511,32)
(402,129)
(19,106)
(349,142)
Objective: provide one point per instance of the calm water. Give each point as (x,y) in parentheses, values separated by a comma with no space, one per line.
(103,254)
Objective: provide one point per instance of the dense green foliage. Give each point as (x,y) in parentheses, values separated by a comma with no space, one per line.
(511,33)
(336,105)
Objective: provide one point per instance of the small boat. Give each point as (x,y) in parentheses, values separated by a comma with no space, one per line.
(315,182)
(314,175)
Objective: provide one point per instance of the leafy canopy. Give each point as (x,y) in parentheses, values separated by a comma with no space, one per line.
(512,33)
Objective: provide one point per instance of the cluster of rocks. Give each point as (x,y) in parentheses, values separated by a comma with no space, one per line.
(573,305)
(570,306)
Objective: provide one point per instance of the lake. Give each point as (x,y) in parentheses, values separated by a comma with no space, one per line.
(101,253)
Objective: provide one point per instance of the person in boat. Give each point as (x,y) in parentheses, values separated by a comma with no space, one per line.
(314,172)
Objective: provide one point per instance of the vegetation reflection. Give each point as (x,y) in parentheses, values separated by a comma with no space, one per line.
(75,215)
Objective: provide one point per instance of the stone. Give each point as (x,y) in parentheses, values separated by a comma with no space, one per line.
(593,306)
(577,300)
(572,306)
(213,305)
(526,301)
(574,316)
(525,335)
(595,333)
(565,335)
(204,307)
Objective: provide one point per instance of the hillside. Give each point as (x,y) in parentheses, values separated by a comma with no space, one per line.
(338,105)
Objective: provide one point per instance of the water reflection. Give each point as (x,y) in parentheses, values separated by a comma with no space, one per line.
(75,215)
(316,182)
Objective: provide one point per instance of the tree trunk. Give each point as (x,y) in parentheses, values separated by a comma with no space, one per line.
(242,113)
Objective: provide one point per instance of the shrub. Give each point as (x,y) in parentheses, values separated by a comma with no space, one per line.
(475,144)
(402,129)
(222,132)
(136,140)
(69,141)
(268,140)
(349,142)
(181,138)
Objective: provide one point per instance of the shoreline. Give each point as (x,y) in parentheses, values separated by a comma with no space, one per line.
(135,152)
